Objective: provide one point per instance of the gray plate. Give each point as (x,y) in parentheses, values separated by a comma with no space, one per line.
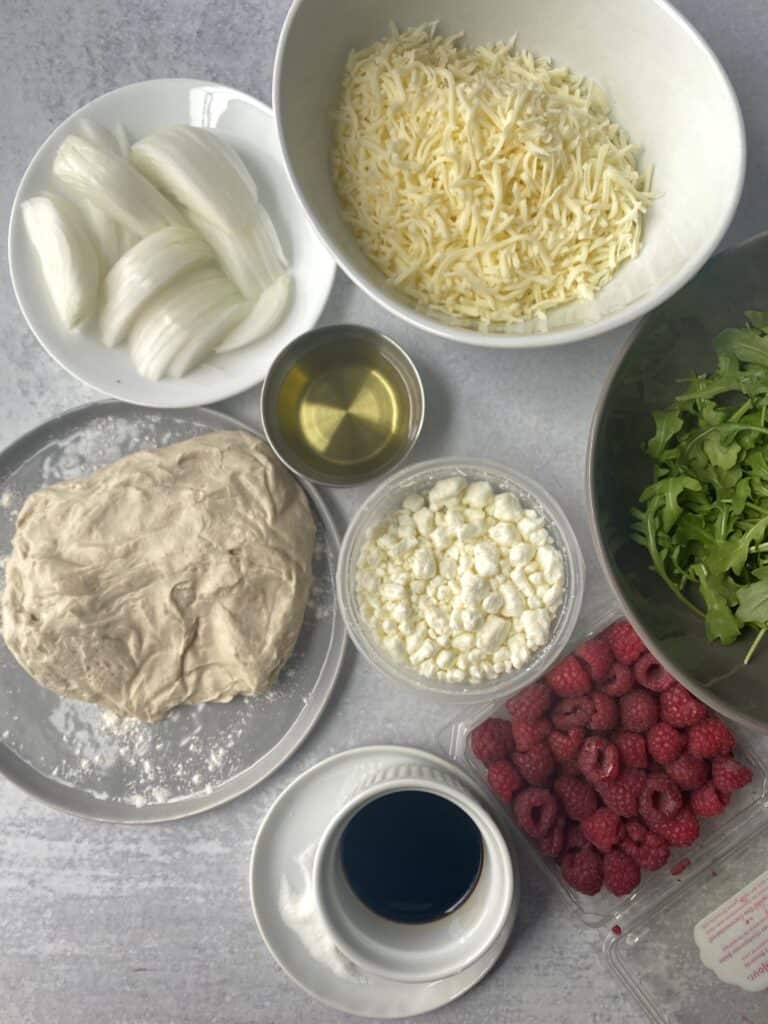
(80,759)
(668,346)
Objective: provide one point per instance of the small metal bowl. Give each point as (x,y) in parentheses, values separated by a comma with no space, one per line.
(358,339)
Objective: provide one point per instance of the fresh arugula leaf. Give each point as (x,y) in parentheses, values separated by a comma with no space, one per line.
(721,455)
(667,425)
(753,602)
(720,622)
(667,492)
(704,519)
(746,344)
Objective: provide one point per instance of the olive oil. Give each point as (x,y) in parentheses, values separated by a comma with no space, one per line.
(344,410)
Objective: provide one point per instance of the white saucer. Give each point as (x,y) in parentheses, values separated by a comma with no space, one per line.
(250,126)
(294,822)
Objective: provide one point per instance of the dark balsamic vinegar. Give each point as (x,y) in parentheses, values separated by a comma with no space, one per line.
(412,856)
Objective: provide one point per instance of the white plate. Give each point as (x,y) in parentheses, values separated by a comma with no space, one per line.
(250,126)
(295,822)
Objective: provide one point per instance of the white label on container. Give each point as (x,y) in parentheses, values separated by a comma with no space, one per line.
(733,940)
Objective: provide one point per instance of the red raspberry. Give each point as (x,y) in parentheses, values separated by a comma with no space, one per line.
(639,711)
(569,768)
(620,797)
(688,772)
(680,708)
(530,704)
(504,780)
(621,874)
(728,775)
(665,743)
(569,678)
(636,831)
(575,838)
(651,674)
(710,738)
(625,643)
(578,798)
(597,656)
(706,802)
(566,745)
(526,735)
(535,765)
(681,830)
(492,740)
(535,811)
(632,749)
(599,760)
(552,845)
(602,828)
(648,850)
(572,713)
(660,799)
(618,681)
(634,779)
(605,714)
(583,870)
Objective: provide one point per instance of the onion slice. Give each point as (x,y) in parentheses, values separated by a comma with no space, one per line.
(68,258)
(143,271)
(206,176)
(112,183)
(264,316)
(184,322)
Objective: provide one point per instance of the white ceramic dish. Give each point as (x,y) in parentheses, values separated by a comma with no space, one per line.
(420,477)
(249,125)
(294,823)
(666,88)
(407,952)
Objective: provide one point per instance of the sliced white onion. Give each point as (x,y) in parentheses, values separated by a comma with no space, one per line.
(112,183)
(200,171)
(111,238)
(264,316)
(68,258)
(143,271)
(184,322)
(206,176)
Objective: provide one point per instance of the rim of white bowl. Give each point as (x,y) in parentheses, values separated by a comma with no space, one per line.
(379,504)
(558,336)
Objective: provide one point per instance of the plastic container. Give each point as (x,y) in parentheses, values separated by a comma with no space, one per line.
(420,477)
(650,944)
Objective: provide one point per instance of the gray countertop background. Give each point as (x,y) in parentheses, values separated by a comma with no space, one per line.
(152,925)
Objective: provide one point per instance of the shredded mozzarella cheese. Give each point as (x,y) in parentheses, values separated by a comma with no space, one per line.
(485,184)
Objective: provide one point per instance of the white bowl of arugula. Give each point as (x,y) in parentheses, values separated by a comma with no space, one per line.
(678,481)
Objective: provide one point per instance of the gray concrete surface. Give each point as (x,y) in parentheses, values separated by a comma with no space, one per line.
(152,925)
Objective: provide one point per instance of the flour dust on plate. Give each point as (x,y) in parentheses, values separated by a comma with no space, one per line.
(412,856)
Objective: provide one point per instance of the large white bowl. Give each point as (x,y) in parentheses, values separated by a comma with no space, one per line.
(666,88)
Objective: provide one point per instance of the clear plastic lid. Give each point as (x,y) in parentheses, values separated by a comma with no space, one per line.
(700,955)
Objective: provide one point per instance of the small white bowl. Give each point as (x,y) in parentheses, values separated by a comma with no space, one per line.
(414,952)
(420,477)
(249,126)
(666,88)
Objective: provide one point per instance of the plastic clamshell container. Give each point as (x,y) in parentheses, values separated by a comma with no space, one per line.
(653,951)
(420,477)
